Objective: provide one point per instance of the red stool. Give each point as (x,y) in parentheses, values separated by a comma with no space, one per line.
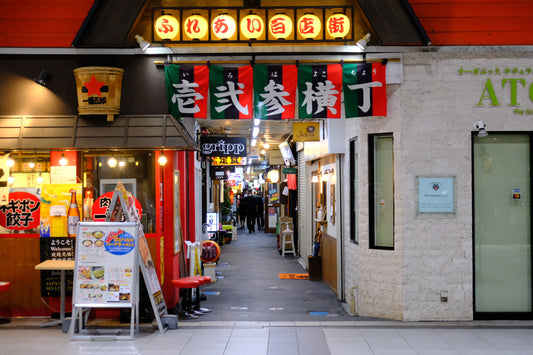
(4,286)
(202,280)
(186,303)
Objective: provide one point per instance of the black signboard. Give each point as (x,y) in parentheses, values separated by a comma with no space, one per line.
(221,172)
(217,146)
(61,248)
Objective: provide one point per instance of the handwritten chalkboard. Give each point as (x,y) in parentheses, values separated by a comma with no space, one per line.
(52,248)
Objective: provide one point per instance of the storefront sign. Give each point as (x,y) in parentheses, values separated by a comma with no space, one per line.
(4,175)
(215,161)
(21,213)
(435,195)
(213,146)
(102,203)
(262,24)
(99,90)
(269,91)
(508,86)
(306,131)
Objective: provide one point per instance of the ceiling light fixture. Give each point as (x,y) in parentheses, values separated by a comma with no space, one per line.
(63,161)
(266,145)
(255,132)
(10,162)
(143,44)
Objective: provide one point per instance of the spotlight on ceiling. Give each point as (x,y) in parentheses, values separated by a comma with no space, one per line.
(143,44)
(43,77)
(363,42)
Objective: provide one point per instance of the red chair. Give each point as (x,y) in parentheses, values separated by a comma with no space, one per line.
(202,280)
(187,284)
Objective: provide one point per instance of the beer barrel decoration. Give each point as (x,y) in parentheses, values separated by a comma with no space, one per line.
(99,90)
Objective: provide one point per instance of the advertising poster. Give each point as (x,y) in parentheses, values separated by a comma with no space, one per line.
(106,256)
(56,249)
(55,208)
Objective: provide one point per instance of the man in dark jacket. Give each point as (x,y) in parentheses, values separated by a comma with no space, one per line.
(260,212)
(251,211)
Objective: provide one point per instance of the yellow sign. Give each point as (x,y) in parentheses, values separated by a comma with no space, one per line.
(280,26)
(338,25)
(306,131)
(195,27)
(167,27)
(252,26)
(223,26)
(309,26)
(216,161)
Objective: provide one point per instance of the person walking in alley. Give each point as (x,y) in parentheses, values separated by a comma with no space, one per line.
(242,209)
(260,212)
(251,211)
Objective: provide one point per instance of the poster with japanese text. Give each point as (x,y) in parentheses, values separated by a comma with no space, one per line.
(56,249)
(106,271)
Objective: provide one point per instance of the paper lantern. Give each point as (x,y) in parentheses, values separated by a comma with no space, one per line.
(224,26)
(338,25)
(280,26)
(167,27)
(195,27)
(252,26)
(309,26)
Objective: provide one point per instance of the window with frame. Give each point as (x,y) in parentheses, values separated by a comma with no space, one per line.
(354,196)
(381,191)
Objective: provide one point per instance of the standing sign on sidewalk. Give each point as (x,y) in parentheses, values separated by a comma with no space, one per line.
(106,271)
(121,198)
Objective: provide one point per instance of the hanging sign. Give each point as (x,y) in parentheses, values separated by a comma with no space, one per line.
(223,146)
(365,89)
(187,88)
(275,91)
(306,131)
(319,90)
(230,91)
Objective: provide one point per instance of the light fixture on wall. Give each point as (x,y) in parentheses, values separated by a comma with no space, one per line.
(40,178)
(10,162)
(266,145)
(143,44)
(63,161)
(362,43)
(326,174)
(43,77)
(482,128)
(112,162)
(162,160)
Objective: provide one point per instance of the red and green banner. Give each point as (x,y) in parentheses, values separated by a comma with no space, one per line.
(319,91)
(187,87)
(268,92)
(275,91)
(365,89)
(230,90)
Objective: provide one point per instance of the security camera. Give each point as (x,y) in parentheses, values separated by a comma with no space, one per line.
(481,127)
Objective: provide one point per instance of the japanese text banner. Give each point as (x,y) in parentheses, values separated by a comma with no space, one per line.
(275,91)
(187,90)
(365,90)
(230,90)
(319,91)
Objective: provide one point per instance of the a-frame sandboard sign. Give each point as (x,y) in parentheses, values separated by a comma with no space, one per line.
(122,198)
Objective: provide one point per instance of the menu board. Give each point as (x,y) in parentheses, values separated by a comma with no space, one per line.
(106,274)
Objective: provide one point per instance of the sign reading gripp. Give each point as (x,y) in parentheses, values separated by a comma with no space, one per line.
(223,146)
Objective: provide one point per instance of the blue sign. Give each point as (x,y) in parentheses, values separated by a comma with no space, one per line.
(119,243)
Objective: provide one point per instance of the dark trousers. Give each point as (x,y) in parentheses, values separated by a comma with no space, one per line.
(260,221)
(250,222)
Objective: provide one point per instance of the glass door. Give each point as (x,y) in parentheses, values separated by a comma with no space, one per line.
(502,226)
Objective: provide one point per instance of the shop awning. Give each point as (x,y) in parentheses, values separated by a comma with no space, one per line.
(93,132)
